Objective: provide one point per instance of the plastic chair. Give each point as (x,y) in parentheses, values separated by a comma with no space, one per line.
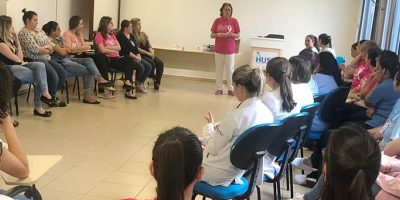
(284,145)
(38,165)
(331,110)
(246,153)
(340,60)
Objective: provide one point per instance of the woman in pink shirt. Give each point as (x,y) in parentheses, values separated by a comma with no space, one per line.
(225,30)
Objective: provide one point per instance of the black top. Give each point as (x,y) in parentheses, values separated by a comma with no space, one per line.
(6,60)
(127,45)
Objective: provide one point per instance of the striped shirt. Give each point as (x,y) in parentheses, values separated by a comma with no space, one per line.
(31,42)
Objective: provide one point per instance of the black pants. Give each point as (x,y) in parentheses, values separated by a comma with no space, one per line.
(157,67)
(355,113)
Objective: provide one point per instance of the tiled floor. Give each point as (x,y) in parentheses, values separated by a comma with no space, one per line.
(106,148)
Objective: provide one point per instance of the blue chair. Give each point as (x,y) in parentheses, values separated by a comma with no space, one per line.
(246,153)
(340,60)
(284,146)
(331,110)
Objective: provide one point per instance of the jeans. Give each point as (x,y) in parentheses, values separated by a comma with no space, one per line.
(77,69)
(32,72)
(157,69)
(56,76)
(89,64)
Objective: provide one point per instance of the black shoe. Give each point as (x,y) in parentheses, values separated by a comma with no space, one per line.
(103,85)
(45,114)
(55,102)
(156,87)
(128,87)
(45,100)
(130,96)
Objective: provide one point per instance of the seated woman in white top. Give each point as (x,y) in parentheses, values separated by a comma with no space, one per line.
(219,138)
(300,75)
(325,44)
(280,99)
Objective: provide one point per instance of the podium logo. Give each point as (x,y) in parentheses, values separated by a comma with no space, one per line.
(260,59)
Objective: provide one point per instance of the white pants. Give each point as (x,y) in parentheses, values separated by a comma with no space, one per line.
(224,62)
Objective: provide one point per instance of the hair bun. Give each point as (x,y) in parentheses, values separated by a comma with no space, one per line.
(24,10)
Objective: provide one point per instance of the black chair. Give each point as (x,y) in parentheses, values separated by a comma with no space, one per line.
(331,110)
(284,145)
(76,85)
(246,153)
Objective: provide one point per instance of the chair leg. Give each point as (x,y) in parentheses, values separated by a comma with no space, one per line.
(29,92)
(274,191)
(302,156)
(291,180)
(16,104)
(278,188)
(287,179)
(79,90)
(95,87)
(66,91)
(258,192)
(73,88)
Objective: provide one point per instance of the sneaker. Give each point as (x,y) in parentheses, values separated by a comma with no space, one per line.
(230,93)
(300,179)
(111,88)
(129,95)
(141,89)
(218,92)
(298,196)
(105,95)
(299,164)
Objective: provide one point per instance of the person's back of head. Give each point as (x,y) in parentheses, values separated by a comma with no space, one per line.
(300,71)
(278,69)
(374,53)
(311,56)
(328,66)
(352,161)
(177,158)
(389,61)
(252,79)
(325,39)
(6,80)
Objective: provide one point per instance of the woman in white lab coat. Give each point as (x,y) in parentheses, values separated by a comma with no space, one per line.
(219,137)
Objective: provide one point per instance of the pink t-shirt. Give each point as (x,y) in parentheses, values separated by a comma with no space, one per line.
(360,76)
(110,40)
(225,45)
(71,40)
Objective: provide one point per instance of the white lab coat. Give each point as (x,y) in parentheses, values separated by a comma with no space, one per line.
(218,169)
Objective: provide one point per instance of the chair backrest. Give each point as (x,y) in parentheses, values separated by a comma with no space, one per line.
(252,144)
(340,60)
(333,104)
(311,110)
(290,127)
(319,98)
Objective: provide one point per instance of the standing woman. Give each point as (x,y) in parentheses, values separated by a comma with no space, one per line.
(147,53)
(325,44)
(36,46)
(225,30)
(311,42)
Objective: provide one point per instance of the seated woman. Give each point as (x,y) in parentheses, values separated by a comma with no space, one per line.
(390,130)
(147,53)
(219,137)
(325,44)
(129,49)
(109,47)
(370,60)
(13,160)
(348,70)
(311,43)
(327,74)
(36,46)
(74,42)
(300,75)
(280,99)
(313,57)
(349,176)
(74,66)
(31,72)
(380,102)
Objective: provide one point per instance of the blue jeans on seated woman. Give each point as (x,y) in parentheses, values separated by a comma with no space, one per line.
(56,76)
(77,69)
(32,72)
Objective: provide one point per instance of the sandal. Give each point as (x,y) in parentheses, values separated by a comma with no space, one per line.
(55,102)
(91,102)
(45,114)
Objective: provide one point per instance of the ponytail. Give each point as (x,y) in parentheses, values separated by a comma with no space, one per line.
(279,69)
(169,171)
(358,186)
(325,39)
(177,159)
(252,79)
(28,15)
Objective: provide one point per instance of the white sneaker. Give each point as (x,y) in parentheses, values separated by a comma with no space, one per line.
(299,164)
(300,179)
(298,196)
(111,88)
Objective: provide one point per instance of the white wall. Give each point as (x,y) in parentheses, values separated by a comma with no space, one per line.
(3,7)
(49,10)
(105,8)
(188,23)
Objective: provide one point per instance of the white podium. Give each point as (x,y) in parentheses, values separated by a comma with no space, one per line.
(264,49)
